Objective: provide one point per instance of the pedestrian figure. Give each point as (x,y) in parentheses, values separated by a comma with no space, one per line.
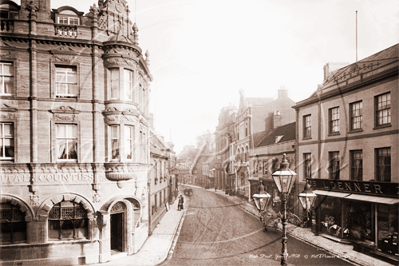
(180,205)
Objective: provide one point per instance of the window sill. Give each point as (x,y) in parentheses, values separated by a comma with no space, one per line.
(355,131)
(333,134)
(306,138)
(382,126)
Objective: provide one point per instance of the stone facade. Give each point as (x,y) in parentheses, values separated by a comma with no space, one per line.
(74,116)
(347,135)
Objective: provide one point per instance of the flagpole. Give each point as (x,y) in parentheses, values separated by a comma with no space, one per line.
(356,35)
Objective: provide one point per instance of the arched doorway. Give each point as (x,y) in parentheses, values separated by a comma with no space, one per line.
(118,215)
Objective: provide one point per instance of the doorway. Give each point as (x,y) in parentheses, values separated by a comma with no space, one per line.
(117,232)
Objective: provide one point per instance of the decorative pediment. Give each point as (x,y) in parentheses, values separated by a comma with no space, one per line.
(7,108)
(63,50)
(64,110)
(62,59)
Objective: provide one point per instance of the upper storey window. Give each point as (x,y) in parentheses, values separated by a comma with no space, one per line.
(68,16)
(68,20)
(128,84)
(6,78)
(383,109)
(66,81)
(121,86)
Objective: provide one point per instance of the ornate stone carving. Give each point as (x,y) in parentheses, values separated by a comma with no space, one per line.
(34,200)
(8,116)
(67,118)
(96,198)
(118,207)
(112,118)
(58,58)
(111,109)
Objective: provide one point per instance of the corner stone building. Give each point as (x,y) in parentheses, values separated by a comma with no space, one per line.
(74,134)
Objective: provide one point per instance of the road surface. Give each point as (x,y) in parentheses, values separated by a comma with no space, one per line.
(216,232)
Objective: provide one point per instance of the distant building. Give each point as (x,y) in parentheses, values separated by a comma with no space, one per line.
(256,117)
(265,160)
(162,185)
(348,140)
(223,140)
(74,133)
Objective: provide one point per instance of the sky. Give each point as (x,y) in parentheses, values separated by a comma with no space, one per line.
(202,52)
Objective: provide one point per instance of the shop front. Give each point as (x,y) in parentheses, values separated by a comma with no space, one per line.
(358,212)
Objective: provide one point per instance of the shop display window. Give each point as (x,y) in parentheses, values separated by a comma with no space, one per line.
(358,221)
(330,210)
(388,229)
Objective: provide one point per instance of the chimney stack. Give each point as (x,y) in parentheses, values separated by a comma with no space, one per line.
(282,93)
(277,120)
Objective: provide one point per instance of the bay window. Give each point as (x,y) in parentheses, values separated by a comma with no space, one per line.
(128,142)
(114,142)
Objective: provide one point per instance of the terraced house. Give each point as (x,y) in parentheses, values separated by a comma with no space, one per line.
(74,148)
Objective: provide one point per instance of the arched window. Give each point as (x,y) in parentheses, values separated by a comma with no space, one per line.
(67,220)
(13,225)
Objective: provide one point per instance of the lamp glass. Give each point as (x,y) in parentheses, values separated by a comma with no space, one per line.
(284,180)
(307,199)
(261,200)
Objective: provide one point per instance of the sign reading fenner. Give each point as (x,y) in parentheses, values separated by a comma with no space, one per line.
(356,187)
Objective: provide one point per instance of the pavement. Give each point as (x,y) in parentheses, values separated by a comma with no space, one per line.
(157,246)
(161,243)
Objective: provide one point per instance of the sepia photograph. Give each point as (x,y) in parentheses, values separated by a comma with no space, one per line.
(199,132)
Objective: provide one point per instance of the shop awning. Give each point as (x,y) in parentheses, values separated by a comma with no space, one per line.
(331,193)
(374,199)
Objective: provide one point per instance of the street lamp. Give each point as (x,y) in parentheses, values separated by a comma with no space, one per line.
(284,179)
(261,199)
(307,197)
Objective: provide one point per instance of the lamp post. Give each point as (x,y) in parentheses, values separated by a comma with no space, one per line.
(307,197)
(284,179)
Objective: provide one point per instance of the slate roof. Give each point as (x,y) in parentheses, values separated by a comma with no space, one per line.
(287,131)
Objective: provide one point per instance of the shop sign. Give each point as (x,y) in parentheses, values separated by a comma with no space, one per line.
(359,187)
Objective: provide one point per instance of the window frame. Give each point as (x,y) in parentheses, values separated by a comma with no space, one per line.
(333,165)
(76,139)
(353,160)
(131,127)
(356,115)
(111,147)
(3,137)
(65,70)
(307,126)
(388,108)
(11,75)
(377,172)
(131,87)
(12,223)
(53,128)
(307,165)
(53,89)
(61,220)
(69,18)
(333,121)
